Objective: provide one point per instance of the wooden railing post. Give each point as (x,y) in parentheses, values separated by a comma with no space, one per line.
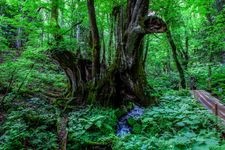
(216,109)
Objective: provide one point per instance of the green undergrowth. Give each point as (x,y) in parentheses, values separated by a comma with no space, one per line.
(30,124)
(30,72)
(91,126)
(178,122)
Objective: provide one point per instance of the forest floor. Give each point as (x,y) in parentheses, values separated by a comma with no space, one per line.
(177,122)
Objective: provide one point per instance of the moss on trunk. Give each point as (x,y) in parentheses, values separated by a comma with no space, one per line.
(125,79)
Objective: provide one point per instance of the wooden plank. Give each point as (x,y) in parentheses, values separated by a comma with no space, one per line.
(202,100)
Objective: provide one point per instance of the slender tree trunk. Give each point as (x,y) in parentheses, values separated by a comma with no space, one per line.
(54,18)
(103,48)
(146,52)
(168,63)
(103,60)
(95,39)
(18,43)
(110,41)
(186,53)
(178,64)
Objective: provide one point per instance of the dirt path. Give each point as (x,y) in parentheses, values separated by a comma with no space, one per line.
(210,102)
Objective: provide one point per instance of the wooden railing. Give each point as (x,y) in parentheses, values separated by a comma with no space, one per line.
(210,102)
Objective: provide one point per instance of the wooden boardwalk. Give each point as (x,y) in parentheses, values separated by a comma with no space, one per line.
(210,102)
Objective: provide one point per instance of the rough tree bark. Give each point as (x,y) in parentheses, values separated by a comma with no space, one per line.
(110,43)
(77,70)
(95,39)
(125,78)
(103,60)
(146,52)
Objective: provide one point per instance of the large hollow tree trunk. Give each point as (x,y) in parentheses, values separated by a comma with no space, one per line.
(125,79)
